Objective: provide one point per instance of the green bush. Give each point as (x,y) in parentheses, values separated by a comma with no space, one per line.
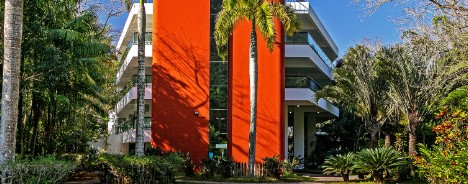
(132,169)
(40,170)
(217,166)
(207,168)
(188,166)
(440,165)
(378,160)
(447,160)
(288,165)
(85,162)
(272,166)
(339,164)
(224,166)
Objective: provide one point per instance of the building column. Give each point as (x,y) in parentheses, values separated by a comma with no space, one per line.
(299,132)
(311,137)
(286,111)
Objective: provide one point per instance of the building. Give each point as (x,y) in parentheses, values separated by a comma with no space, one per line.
(199,104)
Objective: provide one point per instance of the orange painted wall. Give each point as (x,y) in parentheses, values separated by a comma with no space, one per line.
(181,67)
(270,104)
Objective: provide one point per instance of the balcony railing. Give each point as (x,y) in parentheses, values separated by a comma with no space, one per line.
(133,83)
(134,41)
(131,124)
(303,38)
(301,82)
(300,6)
(293,1)
(147,1)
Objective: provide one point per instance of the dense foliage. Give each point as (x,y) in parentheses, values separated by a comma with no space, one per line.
(378,160)
(447,160)
(272,166)
(40,170)
(66,78)
(217,166)
(339,164)
(133,169)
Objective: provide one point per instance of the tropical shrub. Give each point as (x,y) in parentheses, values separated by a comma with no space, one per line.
(40,170)
(339,164)
(378,160)
(132,169)
(272,166)
(224,166)
(188,166)
(446,161)
(207,168)
(288,165)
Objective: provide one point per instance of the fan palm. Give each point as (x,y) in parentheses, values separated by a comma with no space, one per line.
(339,164)
(261,14)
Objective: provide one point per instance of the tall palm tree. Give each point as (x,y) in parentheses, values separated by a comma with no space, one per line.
(261,14)
(13,29)
(141,80)
(140,144)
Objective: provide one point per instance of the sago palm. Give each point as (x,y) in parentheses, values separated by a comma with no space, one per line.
(339,164)
(378,160)
(261,14)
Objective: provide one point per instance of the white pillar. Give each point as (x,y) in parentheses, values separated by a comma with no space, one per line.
(311,137)
(298,132)
(286,114)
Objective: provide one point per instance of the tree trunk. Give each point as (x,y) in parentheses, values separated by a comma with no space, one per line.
(345,177)
(13,31)
(398,142)
(388,140)
(374,139)
(253,67)
(139,147)
(412,142)
(36,114)
(378,176)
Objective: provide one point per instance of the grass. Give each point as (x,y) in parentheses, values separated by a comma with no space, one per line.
(370,182)
(284,179)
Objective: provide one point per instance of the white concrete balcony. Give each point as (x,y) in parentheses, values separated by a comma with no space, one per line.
(301,91)
(302,59)
(129,66)
(130,136)
(130,99)
(131,25)
(312,24)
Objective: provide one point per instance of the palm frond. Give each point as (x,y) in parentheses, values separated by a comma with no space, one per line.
(266,25)
(288,18)
(226,21)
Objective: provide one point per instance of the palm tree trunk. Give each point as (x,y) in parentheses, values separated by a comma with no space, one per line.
(13,31)
(388,140)
(413,127)
(374,139)
(139,147)
(253,67)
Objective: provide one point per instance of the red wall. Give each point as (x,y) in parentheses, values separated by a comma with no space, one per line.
(270,104)
(181,67)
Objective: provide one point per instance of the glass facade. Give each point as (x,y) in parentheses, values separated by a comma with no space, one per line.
(218,91)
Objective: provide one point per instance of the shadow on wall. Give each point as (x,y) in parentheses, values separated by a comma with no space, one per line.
(269,122)
(180,116)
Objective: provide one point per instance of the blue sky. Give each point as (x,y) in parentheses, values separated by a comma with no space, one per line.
(345,21)
(348,24)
